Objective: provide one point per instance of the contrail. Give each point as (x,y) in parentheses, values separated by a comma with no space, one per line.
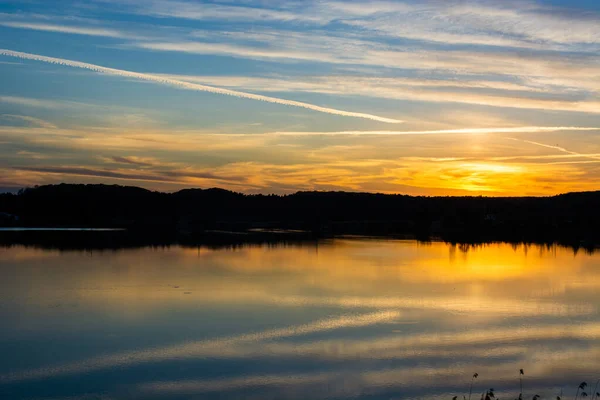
(549,146)
(191,86)
(520,129)
(561,149)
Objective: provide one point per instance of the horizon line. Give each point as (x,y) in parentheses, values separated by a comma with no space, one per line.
(375,193)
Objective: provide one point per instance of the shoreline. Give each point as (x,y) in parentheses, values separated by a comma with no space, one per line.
(114,239)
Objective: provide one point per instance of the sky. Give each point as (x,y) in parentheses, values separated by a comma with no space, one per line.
(493,98)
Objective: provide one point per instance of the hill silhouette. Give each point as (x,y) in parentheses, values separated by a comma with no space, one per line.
(571,217)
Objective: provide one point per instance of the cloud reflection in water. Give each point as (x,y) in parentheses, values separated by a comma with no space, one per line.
(351,318)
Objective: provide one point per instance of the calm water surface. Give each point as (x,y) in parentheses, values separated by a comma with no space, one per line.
(359,319)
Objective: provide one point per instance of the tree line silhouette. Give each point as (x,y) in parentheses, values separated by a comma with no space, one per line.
(571,217)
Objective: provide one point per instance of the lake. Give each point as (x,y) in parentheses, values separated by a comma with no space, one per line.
(339,319)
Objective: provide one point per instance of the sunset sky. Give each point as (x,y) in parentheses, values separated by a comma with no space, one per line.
(417,97)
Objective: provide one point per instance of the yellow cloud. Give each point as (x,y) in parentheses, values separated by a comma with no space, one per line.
(457,162)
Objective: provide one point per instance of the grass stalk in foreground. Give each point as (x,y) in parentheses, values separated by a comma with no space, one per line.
(489,394)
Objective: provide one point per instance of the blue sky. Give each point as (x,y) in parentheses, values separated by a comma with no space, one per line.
(428,97)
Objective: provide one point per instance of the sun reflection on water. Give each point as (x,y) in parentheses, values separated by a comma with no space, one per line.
(347,318)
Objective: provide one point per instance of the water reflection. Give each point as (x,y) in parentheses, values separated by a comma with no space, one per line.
(347,318)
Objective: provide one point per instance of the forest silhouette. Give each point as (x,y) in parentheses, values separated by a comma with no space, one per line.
(571,218)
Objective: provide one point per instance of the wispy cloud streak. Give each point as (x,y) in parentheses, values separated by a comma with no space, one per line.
(66,29)
(561,149)
(173,176)
(30,120)
(520,129)
(26,101)
(191,86)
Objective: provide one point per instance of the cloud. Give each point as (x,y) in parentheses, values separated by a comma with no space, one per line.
(133,161)
(225,12)
(344,84)
(516,79)
(344,48)
(237,50)
(166,176)
(30,120)
(66,29)
(513,24)
(89,171)
(191,86)
(561,149)
(518,129)
(571,79)
(456,161)
(524,25)
(111,139)
(26,101)
(465,89)
(32,155)
(537,71)
(62,104)
(546,156)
